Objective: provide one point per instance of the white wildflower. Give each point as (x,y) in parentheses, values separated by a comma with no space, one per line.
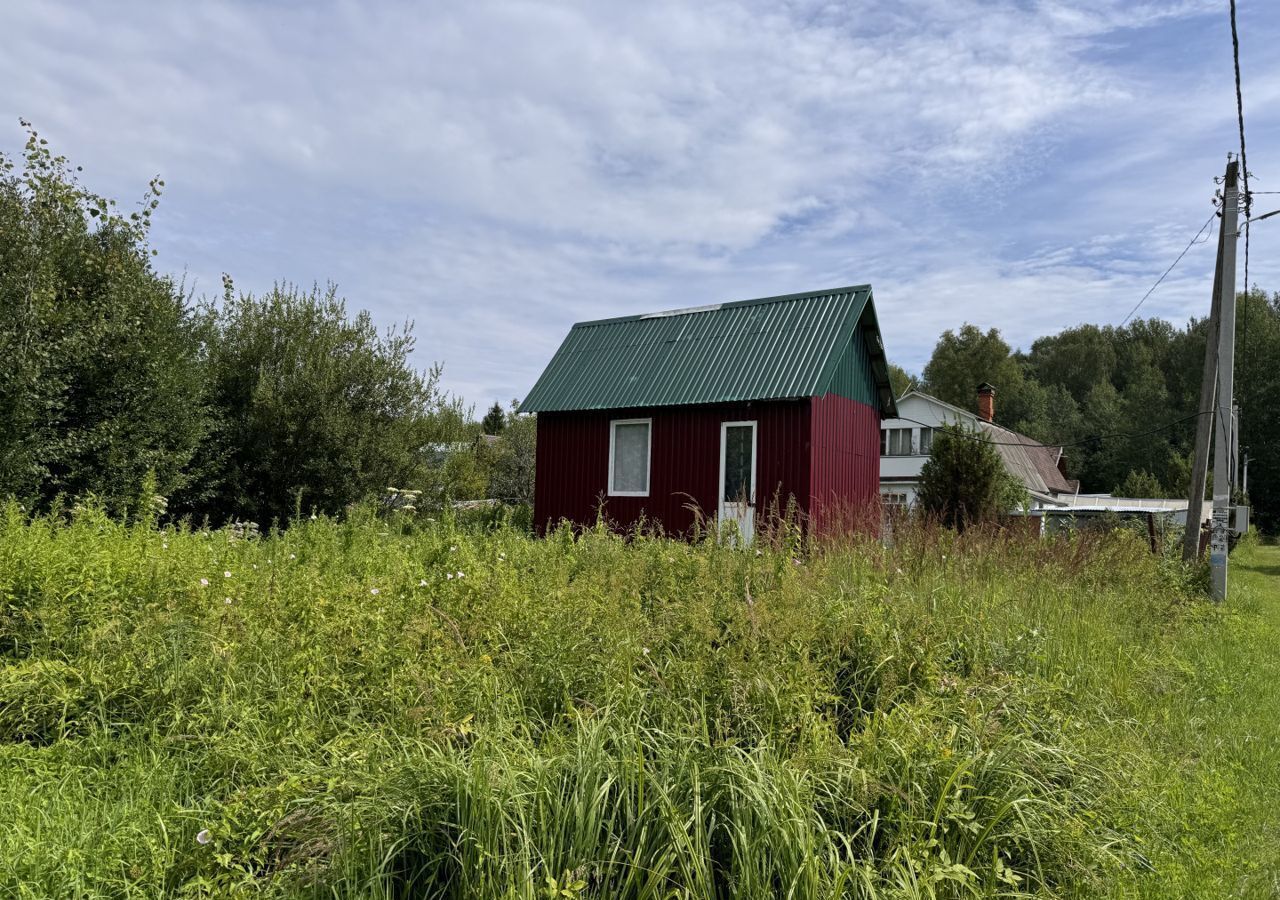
(461,575)
(204,837)
(373,591)
(448,576)
(453,549)
(644,650)
(204,582)
(227,601)
(164,545)
(293,556)
(422,582)
(226,574)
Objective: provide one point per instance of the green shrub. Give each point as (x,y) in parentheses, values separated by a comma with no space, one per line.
(964,482)
(100,385)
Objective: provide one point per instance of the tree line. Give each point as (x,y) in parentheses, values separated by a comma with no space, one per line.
(117,384)
(1123,398)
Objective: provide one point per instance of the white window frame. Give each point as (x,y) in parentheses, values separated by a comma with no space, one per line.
(887,442)
(648,457)
(921,433)
(724,437)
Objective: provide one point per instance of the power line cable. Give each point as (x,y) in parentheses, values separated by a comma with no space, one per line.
(1194,240)
(1244,161)
(1244,168)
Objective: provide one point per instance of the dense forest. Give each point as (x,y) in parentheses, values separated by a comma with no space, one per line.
(119,385)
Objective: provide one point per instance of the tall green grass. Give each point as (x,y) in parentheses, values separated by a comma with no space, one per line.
(382,709)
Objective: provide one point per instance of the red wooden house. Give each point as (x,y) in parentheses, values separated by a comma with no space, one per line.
(727,408)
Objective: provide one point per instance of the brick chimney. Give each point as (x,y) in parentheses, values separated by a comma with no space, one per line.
(986,402)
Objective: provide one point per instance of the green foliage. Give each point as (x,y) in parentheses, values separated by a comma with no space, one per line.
(964,482)
(1257,387)
(963,360)
(99,384)
(1077,359)
(901,380)
(464,475)
(494,420)
(1139,483)
(312,409)
(513,459)
(368,709)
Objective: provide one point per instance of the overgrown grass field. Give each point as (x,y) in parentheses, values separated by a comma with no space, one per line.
(385,709)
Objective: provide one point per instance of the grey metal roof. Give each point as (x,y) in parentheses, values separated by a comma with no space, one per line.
(1031,462)
(765,349)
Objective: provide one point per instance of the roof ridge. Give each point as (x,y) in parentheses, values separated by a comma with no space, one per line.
(932,399)
(731,304)
(764,349)
(1025,439)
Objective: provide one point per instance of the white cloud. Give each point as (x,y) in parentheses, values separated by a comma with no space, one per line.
(498,169)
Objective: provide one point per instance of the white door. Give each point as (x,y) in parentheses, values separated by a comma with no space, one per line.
(738,477)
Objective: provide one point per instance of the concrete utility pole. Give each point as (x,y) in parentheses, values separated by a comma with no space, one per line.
(1222,459)
(1204,422)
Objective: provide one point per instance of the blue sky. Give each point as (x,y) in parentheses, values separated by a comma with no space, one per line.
(496,171)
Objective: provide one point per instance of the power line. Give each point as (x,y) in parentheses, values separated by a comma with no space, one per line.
(1248,196)
(1151,290)
(1244,161)
(1086,440)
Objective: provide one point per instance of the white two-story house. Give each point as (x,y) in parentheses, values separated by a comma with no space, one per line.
(905,443)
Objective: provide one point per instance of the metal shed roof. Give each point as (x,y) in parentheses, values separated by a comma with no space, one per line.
(767,349)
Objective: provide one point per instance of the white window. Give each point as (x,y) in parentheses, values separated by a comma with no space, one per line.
(895,442)
(926,441)
(629,457)
(894,499)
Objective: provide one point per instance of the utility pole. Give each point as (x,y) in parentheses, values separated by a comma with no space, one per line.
(1222,459)
(1204,421)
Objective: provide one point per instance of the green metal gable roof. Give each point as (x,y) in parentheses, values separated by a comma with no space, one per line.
(768,349)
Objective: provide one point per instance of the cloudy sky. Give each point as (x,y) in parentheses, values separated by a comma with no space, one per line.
(496,171)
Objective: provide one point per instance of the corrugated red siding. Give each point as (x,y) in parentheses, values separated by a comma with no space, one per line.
(573,462)
(845,469)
